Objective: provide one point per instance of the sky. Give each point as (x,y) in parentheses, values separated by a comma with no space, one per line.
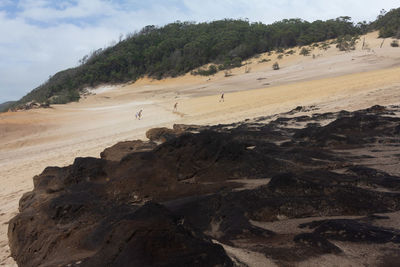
(38,38)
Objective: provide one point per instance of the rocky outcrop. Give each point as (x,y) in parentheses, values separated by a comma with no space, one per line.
(161,134)
(31,105)
(121,149)
(353,231)
(164,134)
(144,204)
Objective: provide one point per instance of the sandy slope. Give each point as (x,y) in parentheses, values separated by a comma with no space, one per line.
(32,140)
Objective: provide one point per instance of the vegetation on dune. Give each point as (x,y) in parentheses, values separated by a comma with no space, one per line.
(325,46)
(388,23)
(182,47)
(275,66)
(305,51)
(347,42)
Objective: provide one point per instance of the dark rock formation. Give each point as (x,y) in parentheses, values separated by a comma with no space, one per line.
(317,242)
(152,236)
(121,149)
(353,231)
(162,134)
(360,128)
(146,236)
(96,212)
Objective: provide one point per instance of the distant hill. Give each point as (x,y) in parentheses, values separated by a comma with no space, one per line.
(6,105)
(181,47)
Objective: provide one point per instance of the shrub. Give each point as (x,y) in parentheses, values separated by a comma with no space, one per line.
(275,66)
(231,63)
(227,73)
(395,43)
(347,42)
(212,69)
(64,97)
(280,56)
(236,62)
(45,104)
(264,60)
(305,51)
(325,46)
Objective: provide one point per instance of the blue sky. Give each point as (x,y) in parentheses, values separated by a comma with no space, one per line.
(42,37)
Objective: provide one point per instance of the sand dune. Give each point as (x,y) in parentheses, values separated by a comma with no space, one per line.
(31,140)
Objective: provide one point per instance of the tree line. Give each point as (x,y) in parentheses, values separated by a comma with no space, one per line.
(181,47)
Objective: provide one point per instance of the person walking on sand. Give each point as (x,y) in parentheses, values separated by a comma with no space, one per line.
(139,115)
(176,107)
(222,98)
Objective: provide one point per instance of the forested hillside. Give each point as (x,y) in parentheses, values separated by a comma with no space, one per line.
(180,47)
(388,23)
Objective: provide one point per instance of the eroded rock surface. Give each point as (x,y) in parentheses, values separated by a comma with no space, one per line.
(121,149)
(144,204)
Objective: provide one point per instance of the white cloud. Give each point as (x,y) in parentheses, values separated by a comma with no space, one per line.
(5,3)
(29,54)
(270,11)
(45,11)
(41,37)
